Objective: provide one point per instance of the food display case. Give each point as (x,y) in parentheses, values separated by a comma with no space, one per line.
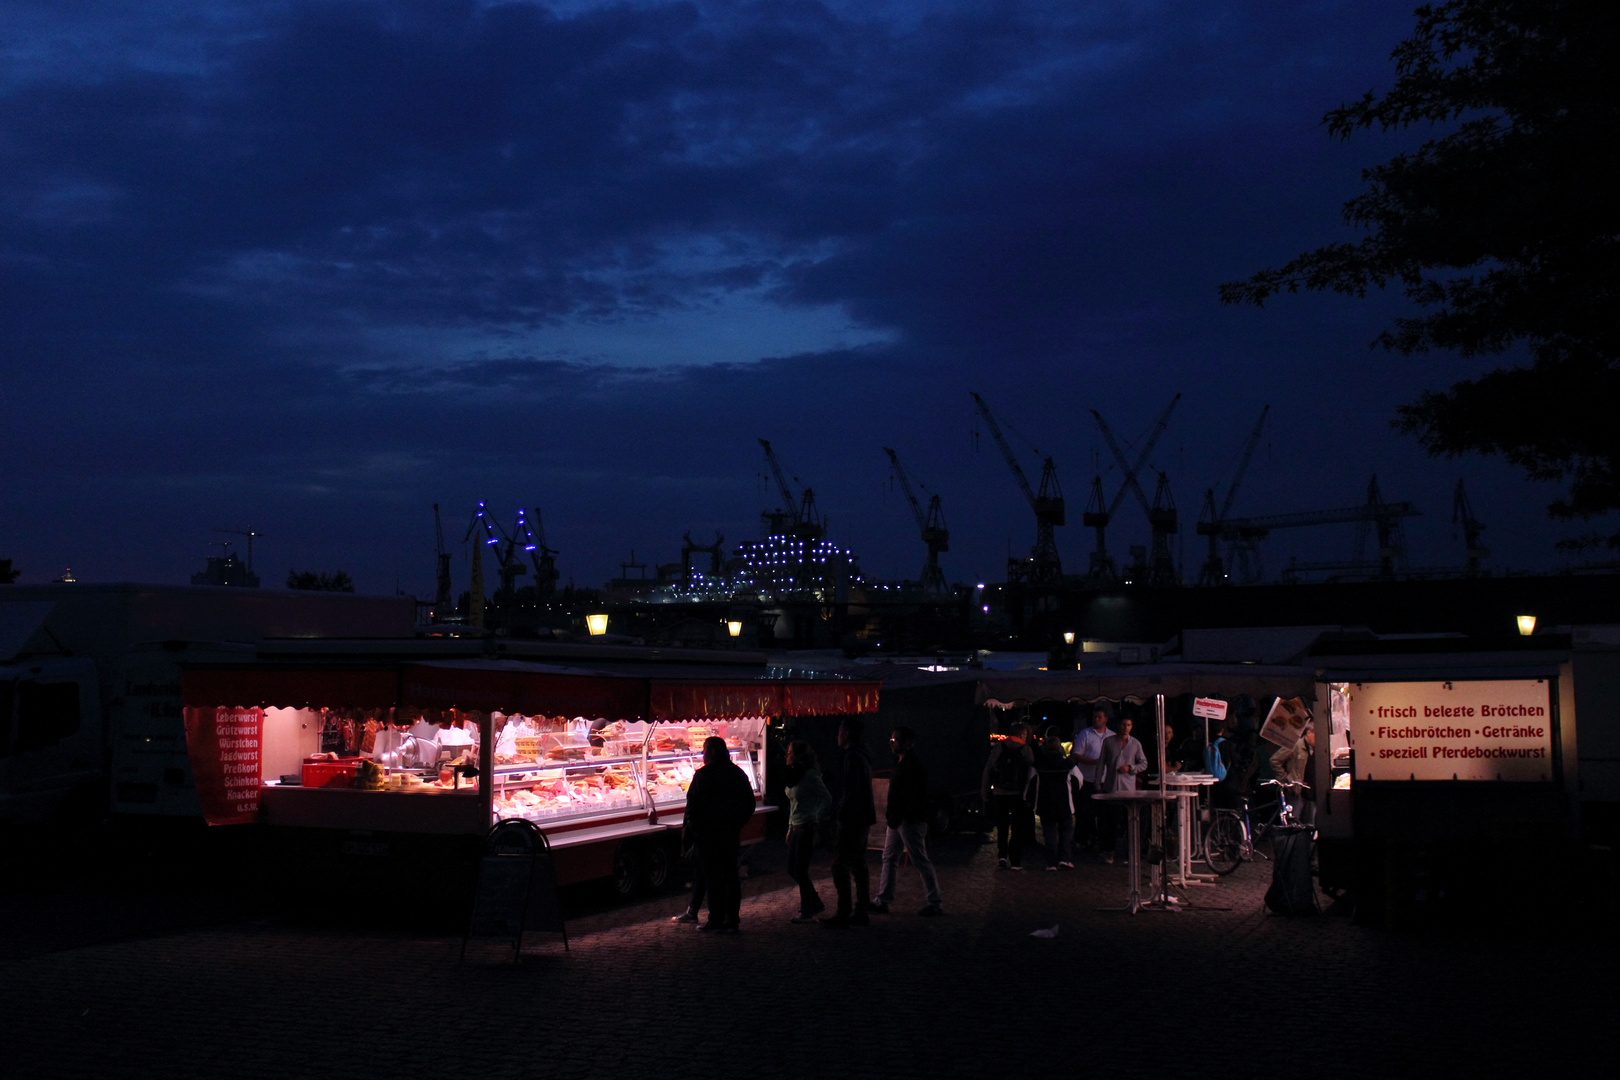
(559,770)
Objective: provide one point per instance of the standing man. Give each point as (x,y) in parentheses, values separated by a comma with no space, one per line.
(1123,760)
(853,814)
(907,818)
(1006,792)
(1088,750)
(1053,799)
(719,802)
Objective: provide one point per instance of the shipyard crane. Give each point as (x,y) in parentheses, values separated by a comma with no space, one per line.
(1462,513)
(542,558)
(490,534)
(442,600)
(800,517)
(1386,517)
(251,534)
(1099,514)
(1043,564)
(931,524)
(1209,523)
(1162,518)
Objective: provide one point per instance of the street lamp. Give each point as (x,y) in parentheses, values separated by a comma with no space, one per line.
(1068,637)
(734,627)
(596,624)
(1527,625)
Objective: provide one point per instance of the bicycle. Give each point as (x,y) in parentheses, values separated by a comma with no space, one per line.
(1232,835)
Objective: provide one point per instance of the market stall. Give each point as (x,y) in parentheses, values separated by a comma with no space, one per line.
(1276,690)
(598,759)
(1439,756)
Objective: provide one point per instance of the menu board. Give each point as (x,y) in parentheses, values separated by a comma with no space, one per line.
(224,745)
(1475,730)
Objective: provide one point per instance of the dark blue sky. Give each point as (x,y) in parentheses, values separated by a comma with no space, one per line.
(314,267)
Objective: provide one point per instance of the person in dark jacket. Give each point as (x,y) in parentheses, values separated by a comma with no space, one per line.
(853,814)
(907,819)
(1054,799)
(1007,777)
(719,802)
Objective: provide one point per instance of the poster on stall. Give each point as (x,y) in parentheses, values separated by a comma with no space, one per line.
(224,746)
(1285,723)
(1498,729)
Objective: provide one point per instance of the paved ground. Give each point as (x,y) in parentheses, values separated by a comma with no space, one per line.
(95,984)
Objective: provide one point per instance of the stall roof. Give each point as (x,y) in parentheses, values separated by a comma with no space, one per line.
(337,687)
(662,692)
(658,691)
(1147,680)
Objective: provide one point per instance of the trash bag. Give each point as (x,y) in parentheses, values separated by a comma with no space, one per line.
(1291,892)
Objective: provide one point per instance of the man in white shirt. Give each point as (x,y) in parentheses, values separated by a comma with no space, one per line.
(1088,747)
(1123,760)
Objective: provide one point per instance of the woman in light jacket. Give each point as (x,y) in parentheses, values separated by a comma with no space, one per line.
(809,807)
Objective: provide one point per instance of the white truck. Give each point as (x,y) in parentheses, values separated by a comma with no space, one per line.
(90,717)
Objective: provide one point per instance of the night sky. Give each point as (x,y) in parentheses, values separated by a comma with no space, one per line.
(315,267)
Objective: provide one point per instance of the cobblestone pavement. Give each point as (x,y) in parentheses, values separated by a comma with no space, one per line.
(1222,989)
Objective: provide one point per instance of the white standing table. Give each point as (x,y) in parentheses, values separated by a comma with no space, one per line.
(1133,802)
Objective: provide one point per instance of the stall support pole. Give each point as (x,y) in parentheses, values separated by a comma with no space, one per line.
(1162,900)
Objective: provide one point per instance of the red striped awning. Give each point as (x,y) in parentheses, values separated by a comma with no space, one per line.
(682,700)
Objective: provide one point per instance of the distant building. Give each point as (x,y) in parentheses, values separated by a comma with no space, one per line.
(227,570)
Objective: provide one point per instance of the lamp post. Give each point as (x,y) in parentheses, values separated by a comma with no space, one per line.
(1527,625)
(596,624)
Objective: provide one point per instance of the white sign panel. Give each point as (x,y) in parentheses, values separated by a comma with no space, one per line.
(1209,708)
(1498,730)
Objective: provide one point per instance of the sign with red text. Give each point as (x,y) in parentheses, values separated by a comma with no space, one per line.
(1209,708)
(1487,730)
(224,747)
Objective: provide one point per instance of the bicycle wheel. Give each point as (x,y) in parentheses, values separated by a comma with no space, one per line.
(1223,844)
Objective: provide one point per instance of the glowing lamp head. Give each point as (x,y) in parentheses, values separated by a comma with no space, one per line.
(734,627)
(1068,637)
(596,624)
(1527,625)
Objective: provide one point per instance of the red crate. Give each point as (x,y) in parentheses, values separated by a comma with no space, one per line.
(328,773)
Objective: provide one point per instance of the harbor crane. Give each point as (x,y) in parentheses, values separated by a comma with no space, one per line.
(1043,564)
(541,557)
(1099,513)
(1384,516)
(931,524)
(1462,513)
(1214,571)
(798,518)
(251,534)
(490,534)
(442,598)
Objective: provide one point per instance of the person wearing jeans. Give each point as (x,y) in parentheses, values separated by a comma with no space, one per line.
(809,805)
(1054,801)
(906,817)
(1006,792)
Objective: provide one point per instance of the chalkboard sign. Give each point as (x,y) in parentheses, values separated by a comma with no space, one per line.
(517,888)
